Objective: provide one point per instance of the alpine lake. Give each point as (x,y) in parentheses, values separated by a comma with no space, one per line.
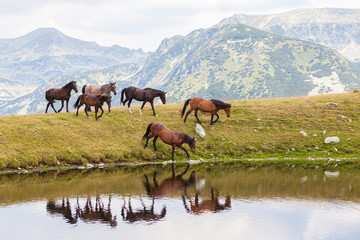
(211,200)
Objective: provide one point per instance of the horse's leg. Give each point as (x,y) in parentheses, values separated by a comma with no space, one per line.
(147,140)
(172,152)
(86,108)
(196,115)
(187,114)
(187,168)
(129,103)
(52,105)
(217,118)
(154,142)
(142,106)
(96,111)
(147,185)
(152,106)
(62,105)
(67,105)
(109,105)
(102,112)
(185,151)
(125,103)
(47,106)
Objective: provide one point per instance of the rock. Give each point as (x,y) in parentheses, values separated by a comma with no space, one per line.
(89,165)
(303,133)
(332,104)
(315,135)
(332,174)
(333,139)
(324,132)
(200,131)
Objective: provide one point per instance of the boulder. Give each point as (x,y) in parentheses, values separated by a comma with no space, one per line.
(199,130)
(333,139)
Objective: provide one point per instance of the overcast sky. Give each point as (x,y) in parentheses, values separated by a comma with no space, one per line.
(136,23)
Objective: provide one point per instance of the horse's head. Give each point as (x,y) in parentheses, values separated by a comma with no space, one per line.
(162,97)
(228,110)
(113,87)
(73,86)
(192,145)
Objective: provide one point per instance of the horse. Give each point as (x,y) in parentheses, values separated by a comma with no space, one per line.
(170,185)
(173,138)
(142,214)
(212,106)
(91,100)
(209,205)
(145,95)
(63,210)
(105,89)
(62,94)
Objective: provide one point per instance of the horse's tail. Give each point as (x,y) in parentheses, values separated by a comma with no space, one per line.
(122,95)
(83,89)
(77,102)
(185,105)
(148,130)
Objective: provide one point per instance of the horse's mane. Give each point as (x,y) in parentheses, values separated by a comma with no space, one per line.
(220,104)
(188,139)
(67,85)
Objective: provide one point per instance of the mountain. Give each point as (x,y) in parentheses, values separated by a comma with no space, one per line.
(35,102)
(235,61)
(332,27)
(30,61)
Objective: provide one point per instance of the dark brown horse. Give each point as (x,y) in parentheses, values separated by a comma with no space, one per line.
(101,90)
(91,100)
(207,205)
(147,215)
(173,138)
(62,94)
(170,185)
(212,106)
(145,95)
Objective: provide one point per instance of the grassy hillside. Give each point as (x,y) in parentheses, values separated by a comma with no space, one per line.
(256,129)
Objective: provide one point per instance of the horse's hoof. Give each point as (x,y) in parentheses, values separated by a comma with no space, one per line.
(156,115)
(89,117)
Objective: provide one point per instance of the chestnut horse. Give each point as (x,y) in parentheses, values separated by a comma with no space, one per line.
(62,94)
(105,89)
(212,106)
(173,138)
(209,205)
(145,95)
(170,185)
(91,100)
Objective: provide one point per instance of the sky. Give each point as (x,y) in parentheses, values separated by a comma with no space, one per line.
(136,23)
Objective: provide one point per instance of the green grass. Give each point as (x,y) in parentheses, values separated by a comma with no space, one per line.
(256,129)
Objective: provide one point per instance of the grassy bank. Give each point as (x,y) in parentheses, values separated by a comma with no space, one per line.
(256,129)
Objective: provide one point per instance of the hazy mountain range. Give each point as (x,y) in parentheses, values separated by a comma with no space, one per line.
(228,61)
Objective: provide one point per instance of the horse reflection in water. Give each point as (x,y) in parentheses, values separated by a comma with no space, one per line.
(170,185)
(88,213)
(144,214)
(99,213)
(212,205)
(63,209)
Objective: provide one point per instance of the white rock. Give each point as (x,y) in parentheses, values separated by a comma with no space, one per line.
(332,174)
(89,165)
(333,139)
(303,133)
(199,130)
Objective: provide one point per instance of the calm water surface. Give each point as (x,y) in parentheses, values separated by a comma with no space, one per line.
(205,202)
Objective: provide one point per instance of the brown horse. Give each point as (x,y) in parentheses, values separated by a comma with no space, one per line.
(143,214)
(62,94)
(170,185)
(212,106)
(91,100)
(145,95)
(209,205)
(105,89)
(173,138)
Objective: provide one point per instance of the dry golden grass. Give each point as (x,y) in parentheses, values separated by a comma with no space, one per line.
(256,129)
